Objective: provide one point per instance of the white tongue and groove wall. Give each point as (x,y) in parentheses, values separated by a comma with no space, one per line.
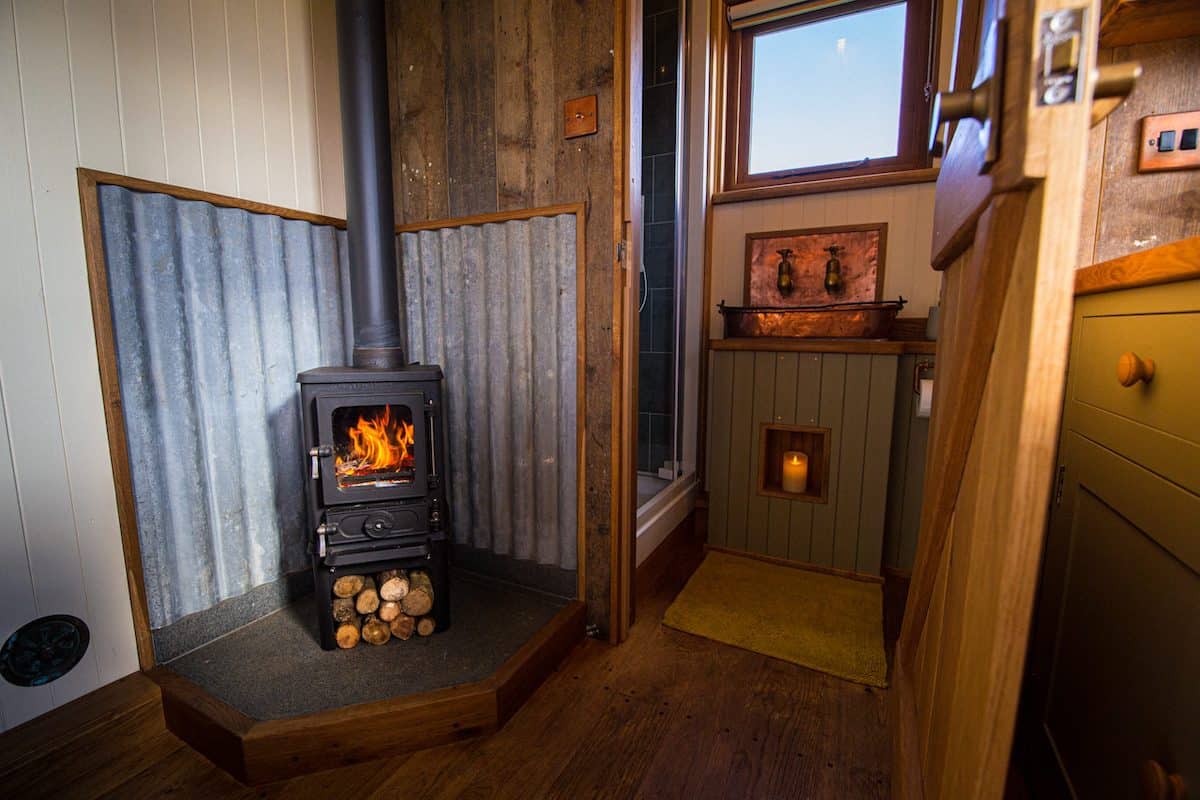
(234,97)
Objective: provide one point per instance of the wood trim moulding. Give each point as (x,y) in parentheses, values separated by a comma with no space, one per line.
(261,751)
(804,565)
(1167,263)
(93,177)
(854,346)
(579,209)
(828,185)
(114,414)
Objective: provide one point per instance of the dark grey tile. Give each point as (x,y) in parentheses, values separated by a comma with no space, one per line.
(658,119)
(645,325)
(660,266)
(662,320)
(662,189)
(664,63)
(660,234)
(643,448)
(654,382)
(647,184)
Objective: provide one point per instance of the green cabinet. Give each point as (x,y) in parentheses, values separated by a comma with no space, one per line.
(1112,680)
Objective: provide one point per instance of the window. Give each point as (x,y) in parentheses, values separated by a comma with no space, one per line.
(835,92)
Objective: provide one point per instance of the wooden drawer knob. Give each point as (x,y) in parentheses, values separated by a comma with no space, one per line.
(1131,369)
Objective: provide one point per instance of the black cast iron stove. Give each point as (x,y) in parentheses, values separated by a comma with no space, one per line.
(376,495)
(376,492)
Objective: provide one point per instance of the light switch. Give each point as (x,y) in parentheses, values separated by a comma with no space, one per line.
(1169,141)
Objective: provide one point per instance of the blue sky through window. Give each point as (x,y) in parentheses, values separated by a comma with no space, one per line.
(828,92)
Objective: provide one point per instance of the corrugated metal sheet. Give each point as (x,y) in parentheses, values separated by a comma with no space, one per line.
(495,306)
(215,310)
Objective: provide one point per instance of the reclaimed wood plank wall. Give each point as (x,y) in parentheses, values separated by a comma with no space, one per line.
(1124,211)
(477,91)
(853,396)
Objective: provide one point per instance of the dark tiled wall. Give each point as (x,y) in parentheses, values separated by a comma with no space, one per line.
(657,333)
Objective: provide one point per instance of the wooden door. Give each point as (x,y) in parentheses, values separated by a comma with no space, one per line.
(1006,227)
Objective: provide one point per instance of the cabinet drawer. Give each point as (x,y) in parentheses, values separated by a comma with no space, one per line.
(1154,423)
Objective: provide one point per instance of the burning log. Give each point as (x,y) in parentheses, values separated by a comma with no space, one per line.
(375,631)
(343,609)
(402,627)
(348,585)
(367,600)
(426,626)
(348,633)
(393,584)
(419,600)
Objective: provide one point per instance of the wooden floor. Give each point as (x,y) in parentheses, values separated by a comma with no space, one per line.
(664,715)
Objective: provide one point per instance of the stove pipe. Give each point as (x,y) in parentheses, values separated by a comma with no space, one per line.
(366,151)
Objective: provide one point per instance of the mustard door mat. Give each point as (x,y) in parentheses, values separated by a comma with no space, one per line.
(823,622)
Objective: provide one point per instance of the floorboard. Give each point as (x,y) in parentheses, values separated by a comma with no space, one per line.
(666,715)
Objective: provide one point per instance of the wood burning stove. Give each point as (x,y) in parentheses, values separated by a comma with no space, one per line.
(376,494)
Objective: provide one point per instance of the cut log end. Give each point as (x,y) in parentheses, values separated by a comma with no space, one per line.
(348,634)
(388,610)
(402,627)
(343,609)
(419,600)
(393,585)
(426,626)
(348,585)
(367,600)
(375,631)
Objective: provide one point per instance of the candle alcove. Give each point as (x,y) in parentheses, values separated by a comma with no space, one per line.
(793,462)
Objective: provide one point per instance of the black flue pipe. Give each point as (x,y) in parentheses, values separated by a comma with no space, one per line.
(366,151)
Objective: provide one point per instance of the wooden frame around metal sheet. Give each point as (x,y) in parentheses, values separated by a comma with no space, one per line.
(261,751)
(89,180)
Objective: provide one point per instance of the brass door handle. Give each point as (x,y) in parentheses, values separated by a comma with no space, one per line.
(1111,84)
(951,106)
(1131,368)
(982,102)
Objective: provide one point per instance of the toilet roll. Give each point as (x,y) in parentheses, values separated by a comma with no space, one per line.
(926,402)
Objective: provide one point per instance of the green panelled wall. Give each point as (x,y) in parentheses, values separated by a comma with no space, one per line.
(906,481)
(852,395)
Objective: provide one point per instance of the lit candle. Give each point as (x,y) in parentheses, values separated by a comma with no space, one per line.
(795,472)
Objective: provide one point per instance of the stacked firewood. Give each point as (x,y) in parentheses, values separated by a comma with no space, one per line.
(374,609)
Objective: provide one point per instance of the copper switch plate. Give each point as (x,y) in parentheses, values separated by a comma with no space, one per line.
(579,117)
(1151,158)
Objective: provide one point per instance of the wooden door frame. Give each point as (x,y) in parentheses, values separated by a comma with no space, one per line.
(90,180)
(627,142)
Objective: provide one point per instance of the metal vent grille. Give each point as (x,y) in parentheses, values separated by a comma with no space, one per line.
(44,650)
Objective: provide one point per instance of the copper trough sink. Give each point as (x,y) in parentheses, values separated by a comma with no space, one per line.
(832,321)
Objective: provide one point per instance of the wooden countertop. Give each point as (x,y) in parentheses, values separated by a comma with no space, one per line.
(1167,263)
(868,346)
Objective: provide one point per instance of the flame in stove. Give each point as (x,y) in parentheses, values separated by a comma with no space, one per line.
(379,444)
